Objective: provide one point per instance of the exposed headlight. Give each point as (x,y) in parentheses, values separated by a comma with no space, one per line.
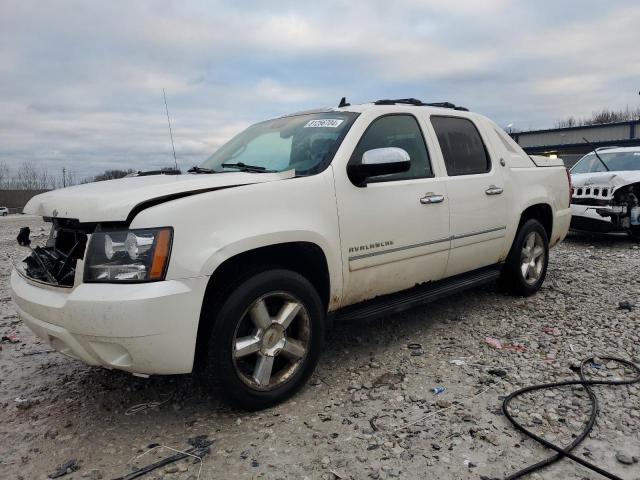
(140,255)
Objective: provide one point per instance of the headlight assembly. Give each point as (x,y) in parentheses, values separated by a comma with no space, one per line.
(140,255)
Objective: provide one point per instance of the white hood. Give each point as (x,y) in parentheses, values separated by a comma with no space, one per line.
(113,200)
(613,180)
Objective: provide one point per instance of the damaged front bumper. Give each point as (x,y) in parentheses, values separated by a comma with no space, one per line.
(143,328)
(605,208)
(604,219)
(589,219)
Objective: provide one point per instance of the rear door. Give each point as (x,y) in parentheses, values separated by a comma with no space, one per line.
(392,236)
(475,187)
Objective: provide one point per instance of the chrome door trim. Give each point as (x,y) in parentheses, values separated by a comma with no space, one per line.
(424,244)
(478,232)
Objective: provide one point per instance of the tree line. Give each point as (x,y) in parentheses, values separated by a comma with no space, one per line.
(602,116)
(28,176)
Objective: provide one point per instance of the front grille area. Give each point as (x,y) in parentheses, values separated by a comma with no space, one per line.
(599,192)
(55,263)
(590,201)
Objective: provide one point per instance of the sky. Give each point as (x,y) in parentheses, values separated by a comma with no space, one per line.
(81,81)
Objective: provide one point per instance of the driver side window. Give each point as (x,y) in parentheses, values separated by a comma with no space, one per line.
(400,131)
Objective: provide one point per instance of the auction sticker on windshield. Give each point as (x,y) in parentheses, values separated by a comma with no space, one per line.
(324,123)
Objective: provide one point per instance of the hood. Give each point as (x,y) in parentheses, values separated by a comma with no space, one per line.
(114,200)
(605,179)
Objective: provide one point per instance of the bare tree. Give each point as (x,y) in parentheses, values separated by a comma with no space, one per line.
(26,177)
(71,178)
(568,122)
(5,175)
(610,116)
(30,177)
(601,117)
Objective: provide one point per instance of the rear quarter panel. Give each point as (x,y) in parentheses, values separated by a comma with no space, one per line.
(541,185)
(527,184)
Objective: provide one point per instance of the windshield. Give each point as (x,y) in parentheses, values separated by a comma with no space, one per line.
(616,162)
(305,143)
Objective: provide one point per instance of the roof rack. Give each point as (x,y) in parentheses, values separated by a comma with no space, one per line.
(420,103)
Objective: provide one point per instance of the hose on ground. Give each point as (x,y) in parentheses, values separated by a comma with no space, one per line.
(562,452)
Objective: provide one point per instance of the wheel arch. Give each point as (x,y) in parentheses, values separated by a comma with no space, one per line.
(303,257)
(541,212)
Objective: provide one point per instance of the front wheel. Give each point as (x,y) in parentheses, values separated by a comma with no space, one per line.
(526,266)
(266,339)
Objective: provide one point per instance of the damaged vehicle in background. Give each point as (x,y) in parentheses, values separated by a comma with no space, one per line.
(606,191)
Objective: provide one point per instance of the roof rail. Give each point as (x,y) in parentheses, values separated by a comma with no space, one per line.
(420,103)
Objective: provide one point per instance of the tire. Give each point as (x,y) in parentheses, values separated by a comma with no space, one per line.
(634,232)
(273,321)
(514,279)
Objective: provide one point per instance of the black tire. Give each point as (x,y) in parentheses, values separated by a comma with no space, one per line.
(221,365)
(634,232)
(512,279)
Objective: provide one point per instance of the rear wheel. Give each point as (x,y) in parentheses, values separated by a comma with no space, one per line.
(526,266)
(266,339)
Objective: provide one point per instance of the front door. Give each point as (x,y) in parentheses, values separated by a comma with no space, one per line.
(395,230)
(475,187)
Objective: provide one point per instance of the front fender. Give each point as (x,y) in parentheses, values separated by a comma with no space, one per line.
(246,244)
(212,227)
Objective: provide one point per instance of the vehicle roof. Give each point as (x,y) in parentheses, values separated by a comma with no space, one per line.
(365,107)
(616,150)
(392,108)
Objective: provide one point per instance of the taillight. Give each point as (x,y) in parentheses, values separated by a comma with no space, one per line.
(570,185)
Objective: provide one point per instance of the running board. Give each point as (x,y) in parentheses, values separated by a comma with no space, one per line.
(419,295)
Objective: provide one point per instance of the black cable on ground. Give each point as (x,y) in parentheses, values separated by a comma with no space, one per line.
(566,451)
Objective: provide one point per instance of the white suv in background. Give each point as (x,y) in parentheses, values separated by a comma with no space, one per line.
(4,211)
(236,268)
(606,193)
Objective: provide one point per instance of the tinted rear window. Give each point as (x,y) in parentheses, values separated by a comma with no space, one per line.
(462,147)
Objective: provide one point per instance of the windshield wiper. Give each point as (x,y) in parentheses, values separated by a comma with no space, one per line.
(197,169)
(595,150)
(247,168)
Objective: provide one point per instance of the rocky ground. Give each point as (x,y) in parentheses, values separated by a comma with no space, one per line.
(369,411)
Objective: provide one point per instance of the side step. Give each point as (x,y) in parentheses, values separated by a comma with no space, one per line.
(421,294)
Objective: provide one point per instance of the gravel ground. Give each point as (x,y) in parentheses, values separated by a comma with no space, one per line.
(369,411)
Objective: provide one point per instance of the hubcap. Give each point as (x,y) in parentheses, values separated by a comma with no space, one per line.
(532,258)
(271,340)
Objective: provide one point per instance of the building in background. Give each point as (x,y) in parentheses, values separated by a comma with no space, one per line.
(568,143)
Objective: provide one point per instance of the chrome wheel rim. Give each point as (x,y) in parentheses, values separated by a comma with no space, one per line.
(271,341)
(532,258)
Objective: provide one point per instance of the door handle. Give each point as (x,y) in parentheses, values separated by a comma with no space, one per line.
(493,190)
(431,197)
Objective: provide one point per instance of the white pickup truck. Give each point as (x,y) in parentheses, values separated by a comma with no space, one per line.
(236,268)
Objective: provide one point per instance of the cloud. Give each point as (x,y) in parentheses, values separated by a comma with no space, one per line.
(81,82)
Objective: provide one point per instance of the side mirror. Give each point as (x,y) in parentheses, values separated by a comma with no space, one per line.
(379,161)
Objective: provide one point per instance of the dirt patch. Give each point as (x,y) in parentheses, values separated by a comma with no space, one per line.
(370,410)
